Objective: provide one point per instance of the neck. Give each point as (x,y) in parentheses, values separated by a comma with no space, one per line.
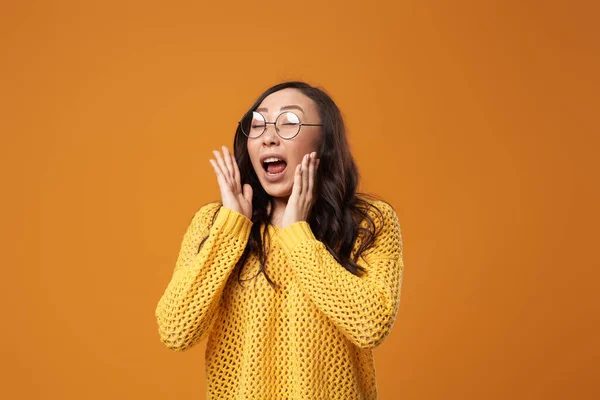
(279,204)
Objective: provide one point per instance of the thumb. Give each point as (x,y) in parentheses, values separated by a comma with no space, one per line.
(247,191)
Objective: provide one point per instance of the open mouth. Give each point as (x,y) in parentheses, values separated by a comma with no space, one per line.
(274,166)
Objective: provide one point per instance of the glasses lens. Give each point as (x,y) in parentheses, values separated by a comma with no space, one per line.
(288,125)
(253,124)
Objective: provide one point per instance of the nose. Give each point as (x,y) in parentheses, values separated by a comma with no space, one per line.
(270,136)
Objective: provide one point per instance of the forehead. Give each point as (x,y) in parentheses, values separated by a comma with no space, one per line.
(288,97)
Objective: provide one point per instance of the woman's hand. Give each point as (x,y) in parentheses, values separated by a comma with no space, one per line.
(303,192)
(228,177)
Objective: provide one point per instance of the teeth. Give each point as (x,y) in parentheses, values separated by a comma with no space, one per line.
(271,159)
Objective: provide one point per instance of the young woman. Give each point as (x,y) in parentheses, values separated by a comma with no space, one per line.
(292,276)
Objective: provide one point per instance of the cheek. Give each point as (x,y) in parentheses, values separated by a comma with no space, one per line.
(317,141)
(252,152)
(306,146)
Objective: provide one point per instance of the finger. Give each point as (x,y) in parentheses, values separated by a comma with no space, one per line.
(236,171)
(222,165)
(311,173)
(297,188)
(248,193)
(228,163)
(305,164)
(220,177)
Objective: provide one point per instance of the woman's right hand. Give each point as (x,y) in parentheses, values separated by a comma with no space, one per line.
(228,177)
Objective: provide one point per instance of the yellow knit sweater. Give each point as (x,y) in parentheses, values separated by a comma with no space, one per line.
(310,339)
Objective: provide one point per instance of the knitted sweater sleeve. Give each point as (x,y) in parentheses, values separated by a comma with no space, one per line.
(187,309)
(363,308)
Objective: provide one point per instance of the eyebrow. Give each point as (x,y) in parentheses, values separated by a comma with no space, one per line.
(290,107)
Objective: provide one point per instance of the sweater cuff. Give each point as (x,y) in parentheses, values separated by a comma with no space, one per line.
(295,234)
(231,222)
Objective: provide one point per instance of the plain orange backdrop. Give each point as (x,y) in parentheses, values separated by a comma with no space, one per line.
(477,121)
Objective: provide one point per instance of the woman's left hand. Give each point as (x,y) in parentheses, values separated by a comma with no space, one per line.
(303,192)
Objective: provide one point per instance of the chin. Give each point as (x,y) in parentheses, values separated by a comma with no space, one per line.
(276,190)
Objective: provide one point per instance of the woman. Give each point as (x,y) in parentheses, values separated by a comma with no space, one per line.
(293,277)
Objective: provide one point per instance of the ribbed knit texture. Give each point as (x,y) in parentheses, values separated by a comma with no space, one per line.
(310,339)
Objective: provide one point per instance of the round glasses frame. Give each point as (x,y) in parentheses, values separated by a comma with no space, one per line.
(299,124)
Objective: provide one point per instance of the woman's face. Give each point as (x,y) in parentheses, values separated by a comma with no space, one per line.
(291,151)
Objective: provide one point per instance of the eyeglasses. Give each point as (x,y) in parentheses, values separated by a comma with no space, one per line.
(287,125)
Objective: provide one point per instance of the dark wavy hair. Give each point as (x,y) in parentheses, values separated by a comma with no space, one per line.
(338,211)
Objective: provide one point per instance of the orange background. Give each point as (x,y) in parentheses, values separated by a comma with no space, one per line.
(477,121)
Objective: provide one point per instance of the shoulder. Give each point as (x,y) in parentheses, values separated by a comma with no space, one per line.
(383,221)
(380,211)
(379,232)
(384,207)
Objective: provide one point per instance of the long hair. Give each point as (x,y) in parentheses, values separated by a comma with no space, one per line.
(338,211)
